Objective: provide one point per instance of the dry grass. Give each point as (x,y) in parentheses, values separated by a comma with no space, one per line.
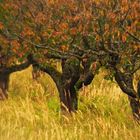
(32,112)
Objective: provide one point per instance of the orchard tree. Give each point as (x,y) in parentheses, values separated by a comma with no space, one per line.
(82,35)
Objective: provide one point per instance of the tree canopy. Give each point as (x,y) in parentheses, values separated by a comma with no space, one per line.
(91,33)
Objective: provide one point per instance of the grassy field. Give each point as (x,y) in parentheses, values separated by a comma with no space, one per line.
(32,112)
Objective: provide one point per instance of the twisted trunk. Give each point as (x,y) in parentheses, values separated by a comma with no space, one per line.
(66,81)
(65,91)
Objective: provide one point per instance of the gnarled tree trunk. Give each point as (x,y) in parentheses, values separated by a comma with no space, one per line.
(68,82)
(73,78)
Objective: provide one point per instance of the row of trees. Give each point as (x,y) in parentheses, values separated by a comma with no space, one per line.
(82,35)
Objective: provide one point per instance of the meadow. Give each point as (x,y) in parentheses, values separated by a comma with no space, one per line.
(32,112)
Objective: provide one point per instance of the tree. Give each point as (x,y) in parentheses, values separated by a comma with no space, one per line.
(82,35)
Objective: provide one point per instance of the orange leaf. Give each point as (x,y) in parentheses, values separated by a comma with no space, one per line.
(94,65)
(1,26)
(27,32)
(63,26)
(64,48)
(40,18)
(55,33)
(15,44)
(123,38)
(73,31)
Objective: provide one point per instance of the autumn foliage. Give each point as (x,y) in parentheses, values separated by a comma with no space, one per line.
(105,33)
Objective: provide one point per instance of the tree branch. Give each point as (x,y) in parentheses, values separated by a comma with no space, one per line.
(15,68)
(119,77)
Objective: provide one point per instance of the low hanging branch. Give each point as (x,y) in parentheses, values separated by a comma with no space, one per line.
(5,74)
(15,68)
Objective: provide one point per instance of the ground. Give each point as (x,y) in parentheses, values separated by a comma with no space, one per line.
(32,112)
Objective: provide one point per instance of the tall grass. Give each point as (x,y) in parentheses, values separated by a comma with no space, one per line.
(32,112)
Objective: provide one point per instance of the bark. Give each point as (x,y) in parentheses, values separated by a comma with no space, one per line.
(135,106)
(70,100)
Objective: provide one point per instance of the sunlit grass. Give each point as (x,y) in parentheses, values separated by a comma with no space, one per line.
(32,112)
